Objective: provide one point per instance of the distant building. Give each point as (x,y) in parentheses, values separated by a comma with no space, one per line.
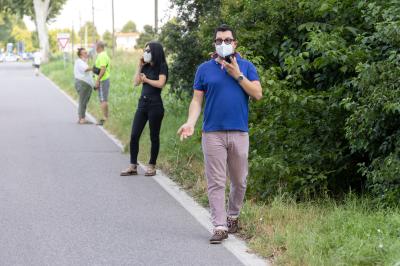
(126,41)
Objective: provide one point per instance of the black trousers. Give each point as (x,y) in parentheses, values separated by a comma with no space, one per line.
(150,108)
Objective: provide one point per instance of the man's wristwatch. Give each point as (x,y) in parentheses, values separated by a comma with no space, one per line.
(240,78)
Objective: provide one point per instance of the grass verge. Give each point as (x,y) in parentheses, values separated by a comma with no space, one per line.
(288,233)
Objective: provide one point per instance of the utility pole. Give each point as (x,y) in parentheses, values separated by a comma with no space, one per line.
(80,27)
(113,29)
(156,16)
(72,42)
(93,34)
(86,45)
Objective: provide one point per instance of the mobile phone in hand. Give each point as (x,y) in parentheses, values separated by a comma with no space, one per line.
(228,59)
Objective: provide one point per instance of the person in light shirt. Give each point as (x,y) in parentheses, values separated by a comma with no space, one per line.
(83,83)
(37,60)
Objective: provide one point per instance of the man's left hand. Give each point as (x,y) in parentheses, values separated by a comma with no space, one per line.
(97,84)
(232,68)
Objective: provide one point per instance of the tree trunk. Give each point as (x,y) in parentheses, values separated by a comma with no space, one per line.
(41,8)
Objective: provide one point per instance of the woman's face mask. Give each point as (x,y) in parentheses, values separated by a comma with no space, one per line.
(147,57)
(224,49)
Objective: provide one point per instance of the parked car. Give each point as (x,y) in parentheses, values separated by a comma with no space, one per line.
(12,58)
(2,57)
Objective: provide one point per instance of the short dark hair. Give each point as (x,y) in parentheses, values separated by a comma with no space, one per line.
(80,51)
(224,28)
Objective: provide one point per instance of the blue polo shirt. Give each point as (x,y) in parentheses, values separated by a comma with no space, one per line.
(227,104)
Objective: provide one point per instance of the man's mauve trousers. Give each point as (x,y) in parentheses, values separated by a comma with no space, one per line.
(225,154)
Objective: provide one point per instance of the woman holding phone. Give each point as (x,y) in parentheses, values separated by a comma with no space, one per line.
(152,73)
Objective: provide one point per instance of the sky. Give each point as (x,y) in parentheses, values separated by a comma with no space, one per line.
(77,12)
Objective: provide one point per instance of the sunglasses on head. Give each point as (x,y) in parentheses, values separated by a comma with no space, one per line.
(226,41)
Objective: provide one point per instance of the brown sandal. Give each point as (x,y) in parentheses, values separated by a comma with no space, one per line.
(131,170)
(84,122)
(151,170)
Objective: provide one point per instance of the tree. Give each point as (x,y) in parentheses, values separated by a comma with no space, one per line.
(41,11)
(13,29)
(107,38)
(191,29)
(86,31)
(21,34)
(7,21)
(130,26)
(147,35)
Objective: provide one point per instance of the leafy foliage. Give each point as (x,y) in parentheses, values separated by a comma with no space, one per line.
(107,38)
(373,127)
(146,36)
(25,7)
(22,34)
(330,71)
(36,9)
(130,26)
(188,39)
(13,29)
(7,23)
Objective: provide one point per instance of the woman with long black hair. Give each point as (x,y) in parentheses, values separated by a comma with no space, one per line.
(152,73)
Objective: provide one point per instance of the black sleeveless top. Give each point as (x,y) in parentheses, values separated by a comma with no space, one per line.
(153,73)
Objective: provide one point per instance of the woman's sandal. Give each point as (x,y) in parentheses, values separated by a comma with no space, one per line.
(131,170)
(151,170)
(84,122)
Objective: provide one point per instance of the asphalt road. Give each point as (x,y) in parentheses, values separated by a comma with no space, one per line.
(62,201)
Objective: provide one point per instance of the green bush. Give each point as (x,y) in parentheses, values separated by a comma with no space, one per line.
(328,123)
(373,128)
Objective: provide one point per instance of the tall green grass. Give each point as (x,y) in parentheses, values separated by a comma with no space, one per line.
(323,233)
(286,232)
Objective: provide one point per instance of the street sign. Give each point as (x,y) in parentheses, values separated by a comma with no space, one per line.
(63,39)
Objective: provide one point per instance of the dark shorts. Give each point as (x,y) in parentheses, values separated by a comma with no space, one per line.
(36,66)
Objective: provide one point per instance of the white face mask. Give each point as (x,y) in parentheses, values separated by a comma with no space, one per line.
(147,57)
(224,49)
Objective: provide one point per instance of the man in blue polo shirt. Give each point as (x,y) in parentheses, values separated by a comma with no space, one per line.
(226,81)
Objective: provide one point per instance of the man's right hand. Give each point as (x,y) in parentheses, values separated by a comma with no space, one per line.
(185,131)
